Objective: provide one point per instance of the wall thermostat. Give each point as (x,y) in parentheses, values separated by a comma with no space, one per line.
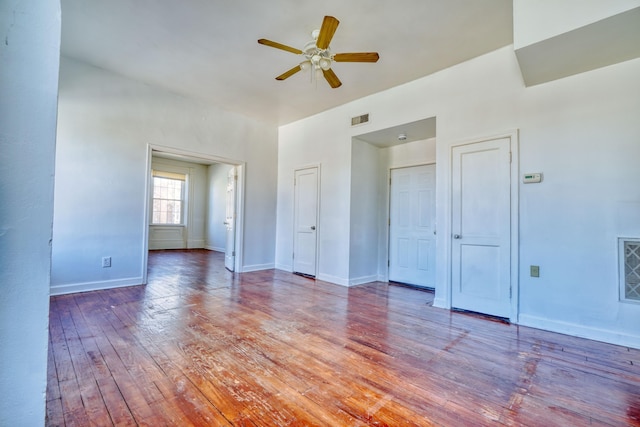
(531,178)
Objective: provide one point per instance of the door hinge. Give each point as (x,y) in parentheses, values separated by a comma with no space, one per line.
(510,292)
(293,255)
(389,222)
(510,157)
(233,253)
(388,263)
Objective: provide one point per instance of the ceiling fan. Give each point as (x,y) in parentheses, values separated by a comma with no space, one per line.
(318,56)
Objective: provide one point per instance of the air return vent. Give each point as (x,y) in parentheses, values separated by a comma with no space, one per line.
(359,120)
(629,253)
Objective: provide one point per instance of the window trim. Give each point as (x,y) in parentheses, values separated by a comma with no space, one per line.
(177,176)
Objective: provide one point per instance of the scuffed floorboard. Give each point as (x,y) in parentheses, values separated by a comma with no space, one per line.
(202,346)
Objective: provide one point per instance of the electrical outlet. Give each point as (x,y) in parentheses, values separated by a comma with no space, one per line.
(534,270)
(106,261)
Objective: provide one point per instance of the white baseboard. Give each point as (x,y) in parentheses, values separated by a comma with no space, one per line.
(333,279)
(215,248)
(596,334)
(257,267)
(73,288)
(440,303)
(195,244)
(362,280)
(156,245)
(285,267)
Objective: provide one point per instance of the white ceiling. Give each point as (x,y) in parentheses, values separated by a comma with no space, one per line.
(207,49)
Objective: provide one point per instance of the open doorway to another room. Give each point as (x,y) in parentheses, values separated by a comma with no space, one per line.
(393,235)
(194,202)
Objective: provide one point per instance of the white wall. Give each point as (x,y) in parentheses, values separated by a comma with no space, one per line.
(29,60)
(332,151)
(570,223)
(105,125)
(411,154)
(581,132)
(217,209)
(365,191)
(535,21)
(556,39)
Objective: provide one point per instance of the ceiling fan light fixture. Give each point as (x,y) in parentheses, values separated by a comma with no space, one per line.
(325,63)
(305,65)
(317,55)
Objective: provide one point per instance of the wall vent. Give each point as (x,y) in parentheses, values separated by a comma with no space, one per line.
(360,120)
(629,254)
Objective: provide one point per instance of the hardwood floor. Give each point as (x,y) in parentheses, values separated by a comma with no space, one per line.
(202,346)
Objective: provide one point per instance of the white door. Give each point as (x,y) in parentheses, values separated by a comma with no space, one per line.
(230,220)
(305,221)
(481,227)
(412,226)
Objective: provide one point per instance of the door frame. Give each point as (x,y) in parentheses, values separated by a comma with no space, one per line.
(240,184)
(234,220)
(387,266)
(318,226)
(446,240)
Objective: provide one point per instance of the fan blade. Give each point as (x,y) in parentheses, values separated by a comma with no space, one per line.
(280,46)
(289,73)
(332,79)
(328,29)
(357,57)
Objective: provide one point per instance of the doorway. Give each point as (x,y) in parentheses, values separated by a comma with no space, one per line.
(233,238)
(412,212)
(483,224)
(390,151)
(305,222)
(230,220)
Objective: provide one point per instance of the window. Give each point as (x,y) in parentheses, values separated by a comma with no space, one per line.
(629,270)
(168,198)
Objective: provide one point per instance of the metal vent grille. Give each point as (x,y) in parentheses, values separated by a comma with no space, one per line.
(358,120)
(630,269)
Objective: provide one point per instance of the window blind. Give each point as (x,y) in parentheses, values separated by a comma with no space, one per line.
(168,175)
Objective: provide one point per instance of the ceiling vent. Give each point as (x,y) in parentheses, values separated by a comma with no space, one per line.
(360,120)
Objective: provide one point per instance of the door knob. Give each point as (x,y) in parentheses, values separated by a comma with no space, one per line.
(457,236)
(313,227)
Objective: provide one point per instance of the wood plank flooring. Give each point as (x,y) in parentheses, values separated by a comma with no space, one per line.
(202,346)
